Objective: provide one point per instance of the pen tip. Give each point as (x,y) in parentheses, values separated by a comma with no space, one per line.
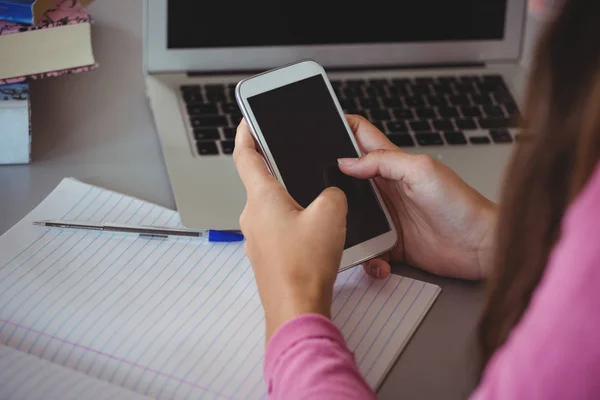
(37,223)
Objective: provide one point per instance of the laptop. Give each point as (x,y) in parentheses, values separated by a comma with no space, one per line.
(438,77)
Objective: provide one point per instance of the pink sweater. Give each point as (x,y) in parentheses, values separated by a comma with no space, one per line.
(553,353)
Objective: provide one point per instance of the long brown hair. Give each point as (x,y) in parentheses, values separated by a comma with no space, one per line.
(562,126)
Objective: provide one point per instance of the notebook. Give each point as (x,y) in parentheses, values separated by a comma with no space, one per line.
(60,43)
(164,319)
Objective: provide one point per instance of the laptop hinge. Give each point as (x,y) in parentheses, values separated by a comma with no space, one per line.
(348,69)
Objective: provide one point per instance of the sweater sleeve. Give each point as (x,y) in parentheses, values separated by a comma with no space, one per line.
(307,358)
(554,352)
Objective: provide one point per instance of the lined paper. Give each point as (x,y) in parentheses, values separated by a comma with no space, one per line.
(24,376)
(168,319)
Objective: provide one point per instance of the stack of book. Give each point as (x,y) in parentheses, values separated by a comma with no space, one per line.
(38,39)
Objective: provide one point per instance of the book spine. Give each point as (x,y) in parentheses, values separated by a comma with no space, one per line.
(16,13)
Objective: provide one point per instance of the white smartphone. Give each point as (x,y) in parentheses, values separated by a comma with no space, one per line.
(301,130)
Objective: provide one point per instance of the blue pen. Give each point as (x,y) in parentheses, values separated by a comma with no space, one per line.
(151,232)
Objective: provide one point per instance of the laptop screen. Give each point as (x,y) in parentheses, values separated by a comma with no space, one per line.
(214,23)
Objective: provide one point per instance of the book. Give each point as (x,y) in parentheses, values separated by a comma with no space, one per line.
(168,319)
(59,44)
(24,11)
(15,124)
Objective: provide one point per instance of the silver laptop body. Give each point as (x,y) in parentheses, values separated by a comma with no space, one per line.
(194,56)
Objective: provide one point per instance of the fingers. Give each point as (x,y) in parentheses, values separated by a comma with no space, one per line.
(331,205)
(389,164)
(377,268)
(250,165)
(369,138)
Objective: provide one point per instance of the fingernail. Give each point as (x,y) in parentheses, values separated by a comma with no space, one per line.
(377,272)
(347,161)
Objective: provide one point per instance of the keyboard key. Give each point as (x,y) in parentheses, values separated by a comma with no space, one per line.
(429,139)
(347,103)
(379,125)
(482,99)
(398,90)
(402,139)
(470,79)
(424,80)
(227,146)
(202,109)
(205,148)
(455,138)
(236,118)
(492,87)
(353,91)
(465,88)
(446,80)
(190,88)
(417,88)
(369,103)
(206,134)
(493,111)
(414,101)
(392,102)
(230,108)
(470,111)
(496,123)
(401,81)
(356,111)
(375,91)
(492,78)
(425,113)
(437,100)
(501,136)
(396,126)
(354,82)
(479,140)
(442,89)
(214,87)
(465,124)
(378,82)
(209,121)
(503,97)
(379,115)
(448,112)
(459,100)
(403,113)
(443,125)
(216,96)
(193,97)
(229,133)
(419,126)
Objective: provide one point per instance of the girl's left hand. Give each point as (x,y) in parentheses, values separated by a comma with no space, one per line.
(295,252)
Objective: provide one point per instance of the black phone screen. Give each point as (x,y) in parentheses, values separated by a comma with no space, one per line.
(306,136)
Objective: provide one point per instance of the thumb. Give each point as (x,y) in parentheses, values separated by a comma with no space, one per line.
(389,164)
(331,205)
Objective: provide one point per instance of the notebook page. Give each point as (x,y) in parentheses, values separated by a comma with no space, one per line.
(23,376)
(168,319)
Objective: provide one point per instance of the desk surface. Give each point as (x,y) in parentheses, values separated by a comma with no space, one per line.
(97,127)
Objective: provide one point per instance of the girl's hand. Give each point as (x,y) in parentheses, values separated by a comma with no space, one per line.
(444,225)
(295,252)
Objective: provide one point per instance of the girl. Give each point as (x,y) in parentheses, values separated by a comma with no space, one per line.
(539,251)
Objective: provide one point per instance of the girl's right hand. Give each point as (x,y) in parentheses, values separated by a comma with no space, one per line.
(445,226)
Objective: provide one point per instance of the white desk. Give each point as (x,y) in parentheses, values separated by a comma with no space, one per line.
(97,127)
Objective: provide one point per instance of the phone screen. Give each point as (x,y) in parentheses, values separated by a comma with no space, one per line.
(306,136)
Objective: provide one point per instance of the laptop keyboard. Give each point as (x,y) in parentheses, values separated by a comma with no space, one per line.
(412,112)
